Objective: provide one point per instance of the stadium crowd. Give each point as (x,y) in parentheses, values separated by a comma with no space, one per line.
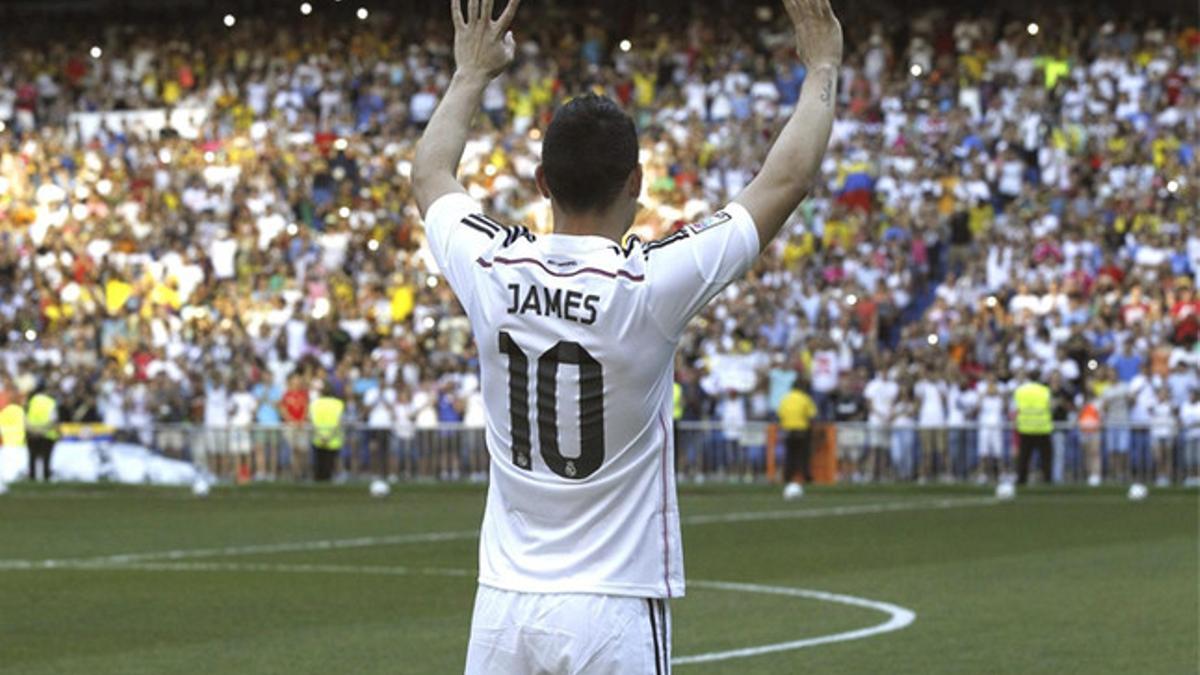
(1003,199)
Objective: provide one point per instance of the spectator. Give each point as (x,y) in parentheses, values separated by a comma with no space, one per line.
(1089,433)
(850,412)
(931,396)
(1032,402)
(1162,437)
(904,436)
(328,435)
(1190,419)
(1047,223)
(881,394)
(1115,411)
(295,417)
(796,414)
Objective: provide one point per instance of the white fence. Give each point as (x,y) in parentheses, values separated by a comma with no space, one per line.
(704,451)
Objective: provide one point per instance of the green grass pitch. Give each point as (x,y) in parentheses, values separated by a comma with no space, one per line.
(1058,581)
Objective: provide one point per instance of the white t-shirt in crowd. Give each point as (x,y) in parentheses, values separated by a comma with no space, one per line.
(991,410)
(242,407)
(222,252)
(881,396)
(824,370)
(931,398)
(381,405)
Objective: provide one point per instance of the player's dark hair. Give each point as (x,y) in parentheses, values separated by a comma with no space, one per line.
(590,150)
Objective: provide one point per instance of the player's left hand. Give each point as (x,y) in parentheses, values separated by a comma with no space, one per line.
(483,46)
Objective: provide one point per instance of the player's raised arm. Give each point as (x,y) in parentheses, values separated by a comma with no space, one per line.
(483,48)
(794,160)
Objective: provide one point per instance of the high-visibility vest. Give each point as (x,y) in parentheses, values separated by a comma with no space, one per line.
(12,426)
(677,392)
(41,416)
(1033,409)
(326,413)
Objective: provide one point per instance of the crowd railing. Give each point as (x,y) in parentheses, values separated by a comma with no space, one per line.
(746,452)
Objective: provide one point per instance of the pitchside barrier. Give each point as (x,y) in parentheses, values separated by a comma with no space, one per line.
(752,452)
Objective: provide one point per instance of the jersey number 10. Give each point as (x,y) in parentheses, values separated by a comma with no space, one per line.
(591,408)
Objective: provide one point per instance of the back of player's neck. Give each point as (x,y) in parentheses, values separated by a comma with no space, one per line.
(587,225)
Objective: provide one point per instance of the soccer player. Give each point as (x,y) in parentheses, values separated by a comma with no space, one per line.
(580,545)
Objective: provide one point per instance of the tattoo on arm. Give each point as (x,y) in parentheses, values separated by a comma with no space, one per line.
(827,90)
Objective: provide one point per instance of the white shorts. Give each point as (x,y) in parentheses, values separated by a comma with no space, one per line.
(991,442)
(568,634)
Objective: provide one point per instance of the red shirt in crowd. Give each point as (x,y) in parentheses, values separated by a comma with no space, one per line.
(295,405)
(1182,309)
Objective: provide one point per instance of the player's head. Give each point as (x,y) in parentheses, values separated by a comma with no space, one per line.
(590,159)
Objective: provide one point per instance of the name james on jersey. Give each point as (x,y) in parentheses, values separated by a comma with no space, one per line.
(554,303)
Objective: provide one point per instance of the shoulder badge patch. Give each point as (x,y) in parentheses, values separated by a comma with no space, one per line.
(717,219)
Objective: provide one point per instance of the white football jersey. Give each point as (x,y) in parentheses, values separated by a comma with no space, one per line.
(577,338)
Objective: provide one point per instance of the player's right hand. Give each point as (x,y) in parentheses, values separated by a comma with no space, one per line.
(483,46)
(818,32)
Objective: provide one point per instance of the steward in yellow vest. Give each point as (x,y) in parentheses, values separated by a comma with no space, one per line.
(796,413)
(1032,401)
(12,425)
(41,419)
(325,413)
(12,429)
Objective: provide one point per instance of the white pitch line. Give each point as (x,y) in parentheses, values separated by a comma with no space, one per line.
(255,549)
(462,535)
(300,568)
(898,618)
(826,512)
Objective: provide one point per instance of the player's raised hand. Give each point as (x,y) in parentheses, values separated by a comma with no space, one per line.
(483,46)
(818,32)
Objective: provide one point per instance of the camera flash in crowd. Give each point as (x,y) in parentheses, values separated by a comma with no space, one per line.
(992,301)
(626,45)
(1032,28)
(96,52)
(229,20)
(305,8)
(362,14)
(916,70)
(932,339)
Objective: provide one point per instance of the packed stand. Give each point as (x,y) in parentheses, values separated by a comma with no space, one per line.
(1002,200)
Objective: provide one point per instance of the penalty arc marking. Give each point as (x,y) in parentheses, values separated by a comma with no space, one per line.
(175,561)
(898,617)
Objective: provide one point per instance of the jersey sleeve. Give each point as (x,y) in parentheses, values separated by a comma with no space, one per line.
(688,269)
(458,234)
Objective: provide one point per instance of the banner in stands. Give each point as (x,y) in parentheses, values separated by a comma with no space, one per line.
(94,461)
